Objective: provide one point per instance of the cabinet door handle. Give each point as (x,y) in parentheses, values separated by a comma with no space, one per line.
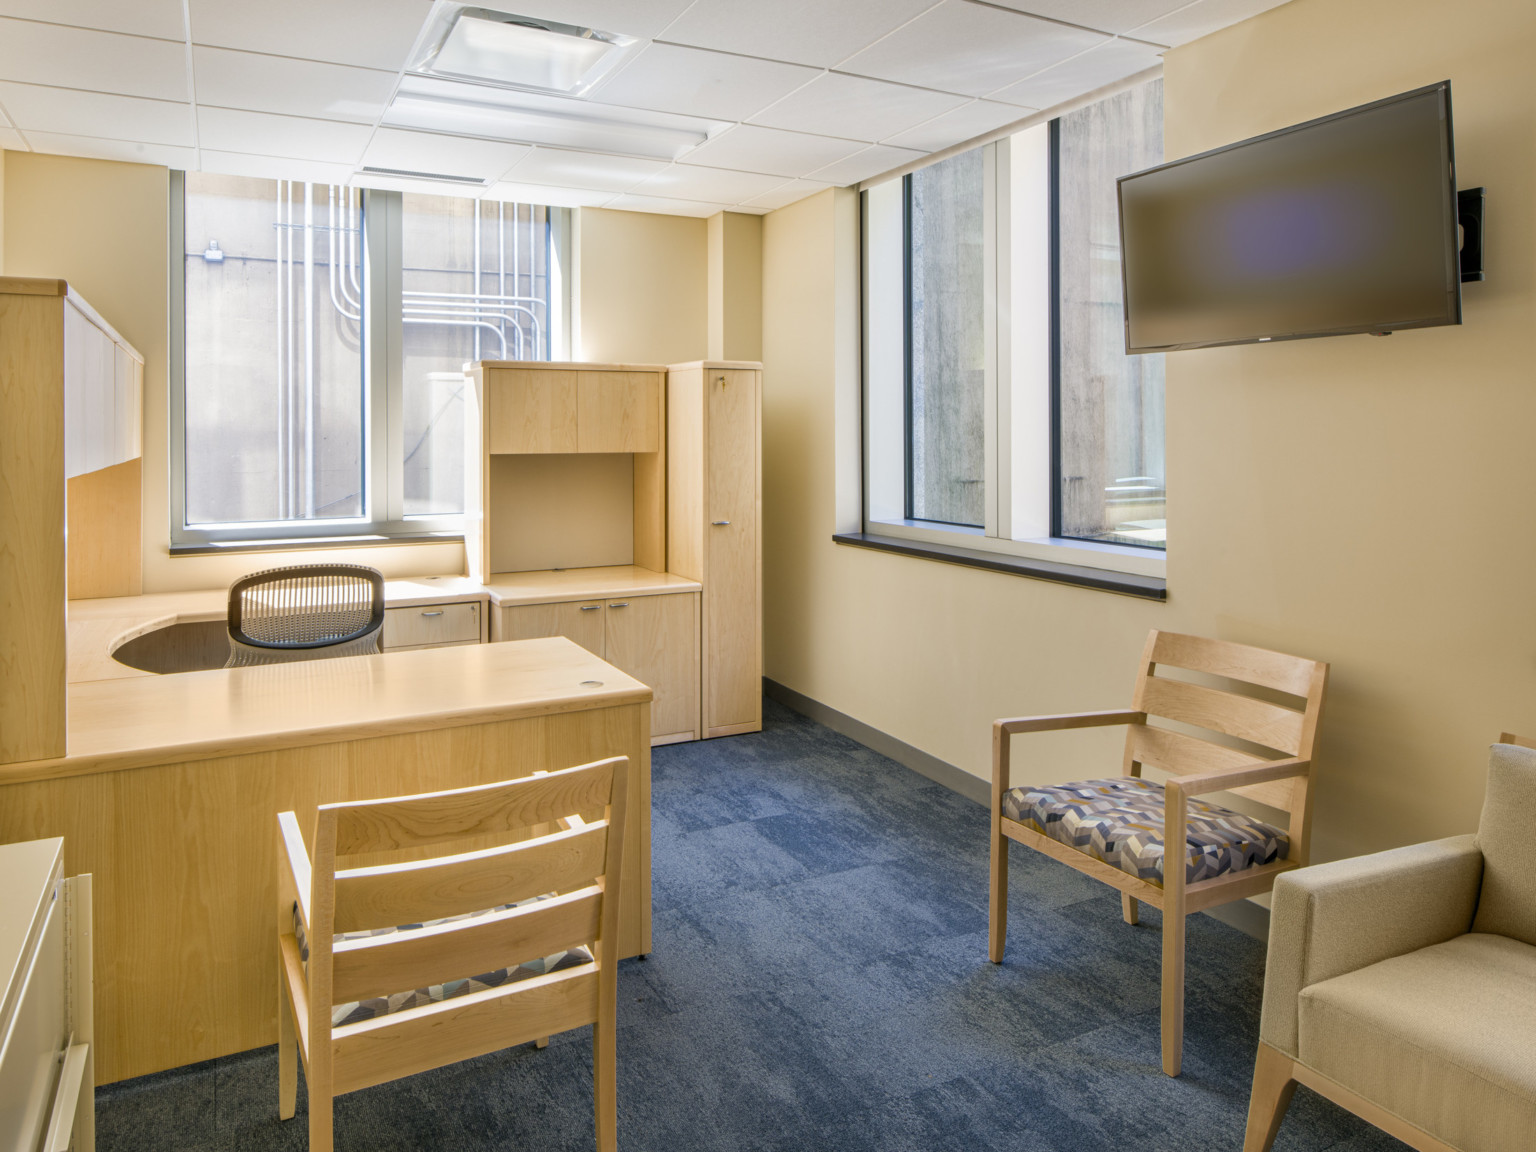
(720,523)
(590,607)
(439,612)
(619,604)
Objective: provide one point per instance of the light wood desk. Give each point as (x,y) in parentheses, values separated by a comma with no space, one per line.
(171,785)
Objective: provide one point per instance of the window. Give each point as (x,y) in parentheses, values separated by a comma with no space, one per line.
(1000,405)
(324,330)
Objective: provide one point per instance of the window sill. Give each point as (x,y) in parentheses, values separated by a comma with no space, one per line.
(1124,583)
(313,543)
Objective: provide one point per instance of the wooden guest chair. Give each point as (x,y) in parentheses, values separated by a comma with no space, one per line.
(391,969)
(1115,829)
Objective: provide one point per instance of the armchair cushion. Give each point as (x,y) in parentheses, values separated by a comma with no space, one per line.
(1444,1038)
(359,1010)
(1120,821)
(1507,905)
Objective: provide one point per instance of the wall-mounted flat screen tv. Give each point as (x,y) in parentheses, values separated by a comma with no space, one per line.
(1343,224)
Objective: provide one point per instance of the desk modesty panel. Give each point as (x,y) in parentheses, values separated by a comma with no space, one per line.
(171,792)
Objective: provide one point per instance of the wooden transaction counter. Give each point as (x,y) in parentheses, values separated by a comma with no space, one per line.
(170,786)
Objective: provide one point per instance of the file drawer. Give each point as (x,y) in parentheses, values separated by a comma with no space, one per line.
(432,625)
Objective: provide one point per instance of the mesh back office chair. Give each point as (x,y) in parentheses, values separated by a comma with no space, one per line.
(307,612)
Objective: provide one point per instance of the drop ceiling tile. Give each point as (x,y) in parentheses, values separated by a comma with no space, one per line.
(970,49)
(644,19)
(447,155)
(786,194)
(262,134)
(76,113)
(515,193)
(590,170)
(753,149)
(228,79)
(368,33)
(958,126)
(1201,19)
(800,31)
(699,83)
(61,144)
(716,185)
(94,61)
(161,18)
(856,107)
(872,161)
(1106,15)
(633,203)
(274,167)
(1072,78)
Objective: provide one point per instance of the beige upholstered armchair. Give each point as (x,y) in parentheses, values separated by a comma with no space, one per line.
(1402,985)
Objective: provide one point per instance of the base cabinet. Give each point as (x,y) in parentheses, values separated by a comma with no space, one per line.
(655,639)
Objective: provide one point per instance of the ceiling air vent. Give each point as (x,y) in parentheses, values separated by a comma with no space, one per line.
(406,174)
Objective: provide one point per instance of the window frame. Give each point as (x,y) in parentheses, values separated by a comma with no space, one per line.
(1001,468)
(382,394)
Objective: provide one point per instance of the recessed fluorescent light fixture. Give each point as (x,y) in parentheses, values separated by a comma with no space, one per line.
(435,177)
(430,104)
(514,51)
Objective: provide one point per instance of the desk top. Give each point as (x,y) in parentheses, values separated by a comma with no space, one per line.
(130,723)
(97,628)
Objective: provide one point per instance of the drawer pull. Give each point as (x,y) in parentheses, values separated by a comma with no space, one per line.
(439,612)
(590,607)
(720,523)
(619,604)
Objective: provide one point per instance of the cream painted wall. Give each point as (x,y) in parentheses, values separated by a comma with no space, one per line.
(735,286)
(1363,501)
(640,290)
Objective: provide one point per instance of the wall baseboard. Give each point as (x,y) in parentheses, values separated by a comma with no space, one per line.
(1247,917)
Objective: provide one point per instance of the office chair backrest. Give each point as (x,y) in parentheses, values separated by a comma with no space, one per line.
(305,612)
(1235,700)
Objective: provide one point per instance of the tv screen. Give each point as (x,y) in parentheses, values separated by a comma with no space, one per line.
(1344,224)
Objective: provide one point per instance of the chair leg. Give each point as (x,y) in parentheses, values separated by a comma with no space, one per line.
(605,1085)
(287,1050)
(1273,1088)
(997,937)
(320,1135)
(1130,908)
(1173,987)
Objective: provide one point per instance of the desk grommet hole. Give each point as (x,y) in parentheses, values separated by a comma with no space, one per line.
(591,684)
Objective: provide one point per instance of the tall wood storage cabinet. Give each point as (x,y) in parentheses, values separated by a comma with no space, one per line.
(714,528)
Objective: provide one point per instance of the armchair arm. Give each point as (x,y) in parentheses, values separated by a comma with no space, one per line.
(1340,917)
(293,880)
(1199,783)
(1003,729)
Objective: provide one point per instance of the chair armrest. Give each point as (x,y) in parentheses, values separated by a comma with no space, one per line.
(1349,914)
(1003,729)
(1199,783)
(293,862)
(1068,720)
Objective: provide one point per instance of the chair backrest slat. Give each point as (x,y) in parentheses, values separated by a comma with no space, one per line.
(402,961)
(1244,717)
(1243,662)
(408,893)
(436,817)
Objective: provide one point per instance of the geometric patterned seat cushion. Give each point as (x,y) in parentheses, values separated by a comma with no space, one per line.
(376,1006)
(1120,821)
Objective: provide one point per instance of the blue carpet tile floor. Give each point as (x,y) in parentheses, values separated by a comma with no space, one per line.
(820,982)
